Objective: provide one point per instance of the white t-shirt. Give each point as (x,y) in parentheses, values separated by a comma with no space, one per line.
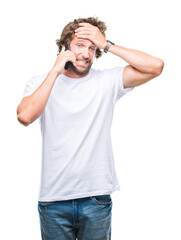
(77,156)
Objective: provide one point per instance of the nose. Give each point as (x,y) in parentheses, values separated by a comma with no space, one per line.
(85,52)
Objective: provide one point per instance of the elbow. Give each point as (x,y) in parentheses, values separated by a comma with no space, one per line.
(22,118)
(159,67)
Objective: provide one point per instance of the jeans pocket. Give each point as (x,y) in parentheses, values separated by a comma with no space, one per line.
(102,199)
(44,204)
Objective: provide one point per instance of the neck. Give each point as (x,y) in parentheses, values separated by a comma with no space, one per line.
(71,74)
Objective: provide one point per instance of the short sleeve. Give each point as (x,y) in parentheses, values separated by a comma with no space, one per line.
(115,76)
(33,84)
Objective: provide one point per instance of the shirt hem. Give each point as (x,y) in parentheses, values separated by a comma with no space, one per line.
(82,195)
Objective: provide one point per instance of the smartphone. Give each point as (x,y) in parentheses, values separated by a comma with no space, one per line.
(69,62)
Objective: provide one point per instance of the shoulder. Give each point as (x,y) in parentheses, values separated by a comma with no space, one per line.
(33,83)
(109,71)
(114,74)
(38,78)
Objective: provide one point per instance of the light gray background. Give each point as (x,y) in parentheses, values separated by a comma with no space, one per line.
(146,126)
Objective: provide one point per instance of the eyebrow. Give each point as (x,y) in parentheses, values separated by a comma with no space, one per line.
(83,41)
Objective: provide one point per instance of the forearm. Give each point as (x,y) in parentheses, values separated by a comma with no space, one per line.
(32,106)
(143,62)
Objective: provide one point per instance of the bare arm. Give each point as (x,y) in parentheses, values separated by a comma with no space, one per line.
(32,106)
(142,66)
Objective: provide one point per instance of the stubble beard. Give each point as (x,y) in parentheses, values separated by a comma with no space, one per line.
(79,72)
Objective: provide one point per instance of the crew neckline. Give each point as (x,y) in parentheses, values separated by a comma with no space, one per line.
(64,77)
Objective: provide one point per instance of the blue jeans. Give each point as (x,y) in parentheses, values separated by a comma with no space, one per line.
(83,219)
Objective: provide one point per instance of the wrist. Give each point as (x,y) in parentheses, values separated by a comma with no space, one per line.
(108,45)
(103,45)
(54,72)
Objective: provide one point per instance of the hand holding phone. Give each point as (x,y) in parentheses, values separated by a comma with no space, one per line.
(69,62)
(64,60)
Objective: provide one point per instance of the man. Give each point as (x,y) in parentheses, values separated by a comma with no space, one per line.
(75,107)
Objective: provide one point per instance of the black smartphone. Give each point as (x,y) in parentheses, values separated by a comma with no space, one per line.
(69,62)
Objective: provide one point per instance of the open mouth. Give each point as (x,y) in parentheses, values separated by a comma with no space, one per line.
(82,62)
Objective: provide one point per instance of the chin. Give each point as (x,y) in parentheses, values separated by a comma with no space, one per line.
(79,70)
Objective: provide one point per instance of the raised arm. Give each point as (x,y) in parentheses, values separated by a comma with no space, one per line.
(32,106)
(142,66)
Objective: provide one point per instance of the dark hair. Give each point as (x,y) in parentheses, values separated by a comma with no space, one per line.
(69,30)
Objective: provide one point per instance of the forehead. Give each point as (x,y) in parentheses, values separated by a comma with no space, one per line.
(82,40)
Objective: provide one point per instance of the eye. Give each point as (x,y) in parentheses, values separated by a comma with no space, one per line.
(79,45)
(92,48)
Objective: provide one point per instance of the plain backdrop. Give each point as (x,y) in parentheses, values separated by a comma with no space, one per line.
(146,125)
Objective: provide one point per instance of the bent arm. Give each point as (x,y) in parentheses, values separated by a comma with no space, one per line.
(32,106)
(142,66)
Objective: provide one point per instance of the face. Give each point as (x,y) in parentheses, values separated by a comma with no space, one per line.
(84,51)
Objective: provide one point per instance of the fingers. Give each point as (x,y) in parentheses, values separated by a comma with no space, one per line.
(83,35)
(63,57)
(88,31)
(85,28)
(80,29)
(70,56)
(83,32)
(86,24)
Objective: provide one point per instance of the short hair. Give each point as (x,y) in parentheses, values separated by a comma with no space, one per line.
(69,31)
